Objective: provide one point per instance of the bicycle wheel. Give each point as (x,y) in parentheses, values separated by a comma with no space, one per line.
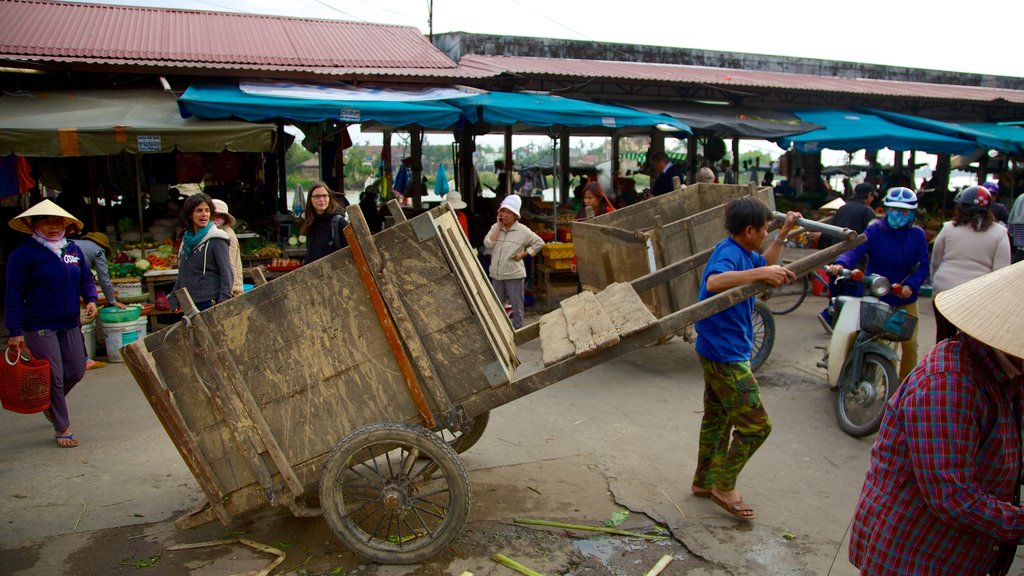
(861,405)
(764,335)
(785,299)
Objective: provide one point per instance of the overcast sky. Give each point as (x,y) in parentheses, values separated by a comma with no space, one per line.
(963,36)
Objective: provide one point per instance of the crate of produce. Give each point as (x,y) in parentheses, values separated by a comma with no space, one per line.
(559,251)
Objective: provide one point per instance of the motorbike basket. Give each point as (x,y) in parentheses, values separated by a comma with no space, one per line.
(880,319)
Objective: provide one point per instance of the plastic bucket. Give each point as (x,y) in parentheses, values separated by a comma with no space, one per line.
(143,325)
(89,335)
(116,335)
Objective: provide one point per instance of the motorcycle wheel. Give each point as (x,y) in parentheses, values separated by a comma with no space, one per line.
(764,335)
(861,405)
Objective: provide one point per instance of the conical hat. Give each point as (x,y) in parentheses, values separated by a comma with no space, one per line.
(22,222)
(989,308)
(833,205)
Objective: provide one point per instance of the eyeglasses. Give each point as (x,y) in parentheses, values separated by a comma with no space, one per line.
(315,196)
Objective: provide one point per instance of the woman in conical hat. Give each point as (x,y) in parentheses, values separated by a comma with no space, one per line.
(943,483)
(46,277)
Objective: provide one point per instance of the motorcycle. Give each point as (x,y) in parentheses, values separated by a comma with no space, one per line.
(861,357)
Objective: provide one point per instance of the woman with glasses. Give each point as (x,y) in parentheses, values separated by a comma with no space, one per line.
(322,223)
(897,250)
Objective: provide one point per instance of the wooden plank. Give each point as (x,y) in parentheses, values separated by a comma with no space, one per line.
(554,338)
(249,443)
(589,327)
(386,322)
(250,412)
(625,309)
(396,211)
(141,365)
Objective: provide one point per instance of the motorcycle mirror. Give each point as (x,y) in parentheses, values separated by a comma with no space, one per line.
(880,286)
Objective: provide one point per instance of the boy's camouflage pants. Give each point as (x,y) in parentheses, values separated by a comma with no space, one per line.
(731,403)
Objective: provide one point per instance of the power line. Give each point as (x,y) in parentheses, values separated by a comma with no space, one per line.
(340,11)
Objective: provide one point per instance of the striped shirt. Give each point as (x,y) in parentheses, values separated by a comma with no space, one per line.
(944,469)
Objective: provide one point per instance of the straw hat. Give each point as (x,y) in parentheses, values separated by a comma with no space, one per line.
(990,308)
(220,207)
(100,239)
(23,223)
(834,205)
(455,199)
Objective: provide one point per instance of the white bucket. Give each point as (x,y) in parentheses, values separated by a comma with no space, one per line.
(143,325)
(118,334)
(89,335)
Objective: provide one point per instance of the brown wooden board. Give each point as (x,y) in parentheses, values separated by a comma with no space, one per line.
(641,238)
(312,358)
(626,311)
(554,338)
(590,329)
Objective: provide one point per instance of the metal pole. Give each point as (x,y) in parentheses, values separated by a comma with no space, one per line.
(815,226)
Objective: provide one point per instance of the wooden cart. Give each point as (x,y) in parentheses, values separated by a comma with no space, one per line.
(335,383)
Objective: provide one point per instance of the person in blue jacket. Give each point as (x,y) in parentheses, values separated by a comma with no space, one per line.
(46,277)
(893,248)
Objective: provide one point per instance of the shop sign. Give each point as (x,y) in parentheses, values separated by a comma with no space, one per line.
(349,115)
(148,143)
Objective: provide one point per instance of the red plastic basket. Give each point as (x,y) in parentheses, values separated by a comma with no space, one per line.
(24,383)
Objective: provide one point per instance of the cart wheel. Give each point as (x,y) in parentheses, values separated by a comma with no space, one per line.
(462,441)
(395,493)
(764,335)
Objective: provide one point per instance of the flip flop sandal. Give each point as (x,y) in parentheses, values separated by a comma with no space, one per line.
(738,509)
(71,437)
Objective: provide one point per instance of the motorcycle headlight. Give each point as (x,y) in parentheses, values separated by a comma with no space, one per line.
(880,286)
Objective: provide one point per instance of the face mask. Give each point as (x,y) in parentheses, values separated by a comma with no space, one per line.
(899,218)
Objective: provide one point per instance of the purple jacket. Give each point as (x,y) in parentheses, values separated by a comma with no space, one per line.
(891,253)
(43,290)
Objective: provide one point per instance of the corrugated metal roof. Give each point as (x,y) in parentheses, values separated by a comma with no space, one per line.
(128,35)
(699,75)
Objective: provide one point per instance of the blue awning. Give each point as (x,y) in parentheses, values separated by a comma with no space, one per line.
(543,110)
(1007,139)
(851,131)
(263,101)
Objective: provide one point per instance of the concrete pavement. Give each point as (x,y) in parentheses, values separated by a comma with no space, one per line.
(622,435)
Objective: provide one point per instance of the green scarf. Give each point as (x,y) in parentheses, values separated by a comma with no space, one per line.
(192,239)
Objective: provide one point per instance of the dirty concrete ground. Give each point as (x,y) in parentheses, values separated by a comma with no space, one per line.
(621,436)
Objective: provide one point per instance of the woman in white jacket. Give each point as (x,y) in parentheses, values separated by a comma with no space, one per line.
(510,242)
(968,246)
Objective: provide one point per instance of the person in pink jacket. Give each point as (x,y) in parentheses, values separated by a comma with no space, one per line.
(968,246)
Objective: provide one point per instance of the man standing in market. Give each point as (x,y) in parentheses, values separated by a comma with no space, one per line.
(663,171)
(725,342)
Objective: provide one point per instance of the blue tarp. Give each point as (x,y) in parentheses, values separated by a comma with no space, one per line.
(308,103)
(851,131)
(542,110)
(1007,139)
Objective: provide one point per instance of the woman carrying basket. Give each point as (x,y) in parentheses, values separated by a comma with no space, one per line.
(46,277)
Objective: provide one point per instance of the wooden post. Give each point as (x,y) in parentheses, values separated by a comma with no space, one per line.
(691,159)
(564,167)
(508,162)
(735,166)
(416,181)
(615,165)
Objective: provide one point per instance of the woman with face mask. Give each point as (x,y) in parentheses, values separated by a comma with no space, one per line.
(893,248)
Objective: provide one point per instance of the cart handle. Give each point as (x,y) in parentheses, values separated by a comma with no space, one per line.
(815,226)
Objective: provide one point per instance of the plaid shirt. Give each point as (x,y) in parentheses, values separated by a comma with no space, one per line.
(944,469)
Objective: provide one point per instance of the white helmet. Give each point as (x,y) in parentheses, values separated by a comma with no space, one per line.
(900,197)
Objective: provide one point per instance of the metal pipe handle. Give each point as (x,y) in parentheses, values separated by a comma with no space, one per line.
(815,226)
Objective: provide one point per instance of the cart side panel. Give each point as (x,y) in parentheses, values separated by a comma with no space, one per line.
(450,304)
(640,216)
(604,257)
